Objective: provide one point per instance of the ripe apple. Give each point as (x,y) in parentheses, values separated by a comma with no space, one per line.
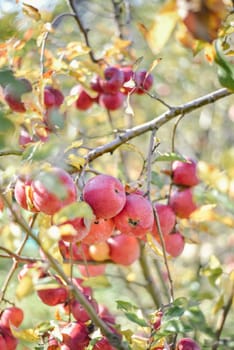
(157,320)
(53,98)
(73,230)
(92,270)
(100,230)
(144,81)
(12,316)
(174,243)
(167,219)
(185,173)
(124,249)
(84,100)
(50,202)
(111,101)
(99,251)
(1,204)
(105,314)
(136,217)
(10,341)
(13,93)
(23,194)
(96,84)
(187,344)
(182,202)
(3,345)
(53,296)
(128,75)
(79,312)
(103,344)
(75,336)
(80,251)
(105,194)
(113,80)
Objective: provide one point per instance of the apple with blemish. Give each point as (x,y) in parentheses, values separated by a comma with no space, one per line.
(23,194)
(136,217)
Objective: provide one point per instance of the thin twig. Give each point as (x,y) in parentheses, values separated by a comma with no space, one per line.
(156,123)
(73,5)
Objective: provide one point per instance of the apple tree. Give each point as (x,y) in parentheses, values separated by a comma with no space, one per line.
(117,175)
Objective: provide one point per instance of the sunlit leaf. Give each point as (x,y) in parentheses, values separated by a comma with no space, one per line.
(74,144)
(218,305)
(76,161)
(204,213)
(31,11)
(154,245)
(29,335)
(169,157)
(72,211)
(24,287)
(131,312)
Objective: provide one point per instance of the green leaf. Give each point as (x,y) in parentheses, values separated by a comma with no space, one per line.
(6,125)
(225,69)
(169,157)
(173,312)
(130,311)
(73,211)
(157,180)
(6,77)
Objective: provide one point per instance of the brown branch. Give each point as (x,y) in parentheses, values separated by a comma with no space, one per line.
(11,153)
(73,5)
(122,16)
(157,122)
(114,338)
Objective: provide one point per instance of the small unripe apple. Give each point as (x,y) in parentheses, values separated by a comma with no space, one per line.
(75,336)
(113,80)
(111,101)
(182,203)
(136,217)
(167,219)
(174,244)
(50,202)
(105,194)
(187,344)
(124,249)
(12,316)
(185,173)
(100,230)
(144,81)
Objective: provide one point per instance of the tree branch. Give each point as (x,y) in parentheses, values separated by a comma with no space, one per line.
(157,122)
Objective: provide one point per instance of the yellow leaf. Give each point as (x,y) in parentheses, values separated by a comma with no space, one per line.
(74,49)
(204,213)
(153,245)
(76,161)
(160,31)
(219,304)
(24,287)
(29,334)
(75,144)
(31,11)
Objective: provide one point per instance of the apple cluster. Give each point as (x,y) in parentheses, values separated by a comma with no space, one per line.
(112,89)
(11,316)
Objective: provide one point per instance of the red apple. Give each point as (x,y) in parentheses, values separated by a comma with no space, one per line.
(128,75)
(10,341)
(136,217)
(3,345)
(167,219)
(174,244)
(111,101)
(75,336)
(124,249)
(1,204)
(103,344)
(23,194)
(144,81)
(79,251)
(78,228)
(96,84)
(105,314)
(187,344)
(50,202)
(92,270)
(25,138)
(78,311)
(52,97)
(12,316)
(113,80)
(99,251)
(13,93)
(182,203)
(84,100)
(100,230)
(185,173)
(157,320)
(106,195)
(53,296)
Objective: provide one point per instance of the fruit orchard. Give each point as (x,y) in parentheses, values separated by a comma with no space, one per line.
(117,175)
